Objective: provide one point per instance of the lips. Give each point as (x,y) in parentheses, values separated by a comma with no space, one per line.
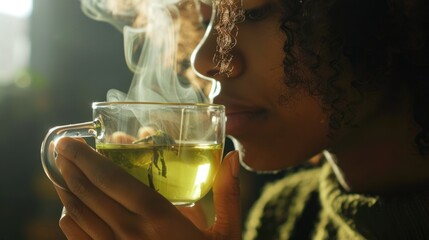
(242,119)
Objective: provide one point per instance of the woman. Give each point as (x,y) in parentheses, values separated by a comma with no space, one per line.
(346,78)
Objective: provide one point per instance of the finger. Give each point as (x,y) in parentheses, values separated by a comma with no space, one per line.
(79,220)
(226,194)
(146,132)
(70,228)
(153,213)
(111,179)
(121,137)
(52,146)
(195,214)
(80,139)
(111,212)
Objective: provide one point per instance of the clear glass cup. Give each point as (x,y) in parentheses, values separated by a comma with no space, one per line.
(175,149)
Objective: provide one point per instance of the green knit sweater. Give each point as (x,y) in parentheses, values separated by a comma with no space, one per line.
(311,204)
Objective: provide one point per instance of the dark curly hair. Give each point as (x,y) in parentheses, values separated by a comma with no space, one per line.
(386,42)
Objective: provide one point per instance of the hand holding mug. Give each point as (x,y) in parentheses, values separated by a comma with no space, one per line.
(105,202)
(175,149)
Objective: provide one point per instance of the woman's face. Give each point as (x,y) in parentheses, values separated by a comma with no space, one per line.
(277,126)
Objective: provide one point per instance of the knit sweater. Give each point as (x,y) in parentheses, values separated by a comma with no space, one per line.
(311,204)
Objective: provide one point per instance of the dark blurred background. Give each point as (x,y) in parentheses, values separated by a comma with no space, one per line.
(54,62)
(73,61)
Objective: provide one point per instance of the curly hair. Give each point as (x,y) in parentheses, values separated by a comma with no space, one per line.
(385,41)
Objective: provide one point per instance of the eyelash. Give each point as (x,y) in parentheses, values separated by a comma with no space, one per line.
(257,14)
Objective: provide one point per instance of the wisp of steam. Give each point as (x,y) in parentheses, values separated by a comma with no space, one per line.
(151,31)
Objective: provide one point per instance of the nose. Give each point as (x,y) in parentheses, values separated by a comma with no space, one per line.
(203,60)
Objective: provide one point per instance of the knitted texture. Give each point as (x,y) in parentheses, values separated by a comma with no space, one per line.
(281,211)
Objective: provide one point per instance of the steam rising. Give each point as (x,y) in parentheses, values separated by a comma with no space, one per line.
(151,33)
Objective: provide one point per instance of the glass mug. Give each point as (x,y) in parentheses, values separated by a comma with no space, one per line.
(175,149)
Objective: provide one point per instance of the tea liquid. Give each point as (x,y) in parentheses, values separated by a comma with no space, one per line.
(181,173)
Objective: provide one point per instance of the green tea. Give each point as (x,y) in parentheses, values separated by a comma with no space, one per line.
(182,173)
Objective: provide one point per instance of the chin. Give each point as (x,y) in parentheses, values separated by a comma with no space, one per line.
(255,170)
(268,162)
(252,162)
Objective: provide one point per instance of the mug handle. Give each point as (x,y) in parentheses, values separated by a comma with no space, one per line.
(48,154)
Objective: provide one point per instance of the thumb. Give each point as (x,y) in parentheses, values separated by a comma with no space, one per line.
(226,194)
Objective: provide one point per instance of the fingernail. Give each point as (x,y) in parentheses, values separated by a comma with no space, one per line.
(63,212)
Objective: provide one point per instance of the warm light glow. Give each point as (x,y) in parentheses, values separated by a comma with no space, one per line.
(15,43)
(16,8)
(202,174)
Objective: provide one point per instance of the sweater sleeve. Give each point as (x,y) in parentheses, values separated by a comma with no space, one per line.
(276,212)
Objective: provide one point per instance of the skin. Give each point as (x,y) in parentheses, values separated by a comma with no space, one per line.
(282,134)
(378,156)
(99,207)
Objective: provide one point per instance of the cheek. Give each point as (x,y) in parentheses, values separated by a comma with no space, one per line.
(306,127)
(262,45)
